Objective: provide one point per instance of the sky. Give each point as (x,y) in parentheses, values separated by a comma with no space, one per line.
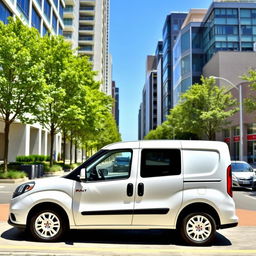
(135,28)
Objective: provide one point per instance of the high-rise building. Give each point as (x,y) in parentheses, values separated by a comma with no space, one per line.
(188,57)
(171,30)
(115,96)
(44,15)
(87,27)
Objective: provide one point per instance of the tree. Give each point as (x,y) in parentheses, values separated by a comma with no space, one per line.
(250,102)
(162,132)
(203,110)
(21,75)
(56,54)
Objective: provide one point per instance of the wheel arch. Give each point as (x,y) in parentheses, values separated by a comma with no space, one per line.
(48,206)
(199,207)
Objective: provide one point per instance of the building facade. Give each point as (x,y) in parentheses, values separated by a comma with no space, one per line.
(171,30)
(115,96)
(45,16)
(87,28)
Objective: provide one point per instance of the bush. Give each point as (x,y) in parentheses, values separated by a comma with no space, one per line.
(70,166)
(54,168)
(12,174)
(32,158)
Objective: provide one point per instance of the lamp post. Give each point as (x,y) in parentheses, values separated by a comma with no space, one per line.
(241,142)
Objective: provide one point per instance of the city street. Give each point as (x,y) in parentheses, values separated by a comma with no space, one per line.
(235,241)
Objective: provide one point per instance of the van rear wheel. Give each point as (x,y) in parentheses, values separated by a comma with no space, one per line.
(198,229)
(47,225)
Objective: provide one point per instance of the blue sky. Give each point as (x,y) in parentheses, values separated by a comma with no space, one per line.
(135,28)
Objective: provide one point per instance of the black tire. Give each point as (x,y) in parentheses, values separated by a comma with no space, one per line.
(51,229)
(202,231)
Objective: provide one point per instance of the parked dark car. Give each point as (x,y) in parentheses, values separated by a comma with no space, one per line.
(121,164)
(243,175)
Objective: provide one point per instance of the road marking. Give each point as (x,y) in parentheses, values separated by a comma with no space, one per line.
(254,198)
(129,250)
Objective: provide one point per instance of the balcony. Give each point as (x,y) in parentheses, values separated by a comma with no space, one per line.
(86,29)
(87,20)
(69,14)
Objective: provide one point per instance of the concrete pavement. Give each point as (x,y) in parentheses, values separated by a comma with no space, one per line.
(235,241)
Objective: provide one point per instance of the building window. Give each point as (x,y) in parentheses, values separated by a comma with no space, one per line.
(160,162)
(36,20)
(69,8)
(45,30)
(87,8)
(56,3)
(87,27)
(85,48)
(54,22)
(89,18)
(4,13)
(60,30)
(61,10)
(47,9)
(68,22)
(67,35)
(86,38)
(251,128)
(39,2)
(24,6)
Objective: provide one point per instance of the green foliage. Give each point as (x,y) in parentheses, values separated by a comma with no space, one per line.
(21,74)
(203,110)
(32,158)
(250,103)
(54,168)
(12,174)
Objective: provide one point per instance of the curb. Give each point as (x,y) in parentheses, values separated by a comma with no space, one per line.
(13,181)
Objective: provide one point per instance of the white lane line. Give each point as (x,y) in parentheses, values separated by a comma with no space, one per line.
(254,198)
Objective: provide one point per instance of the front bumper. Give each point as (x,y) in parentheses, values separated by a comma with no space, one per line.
(20,226)
(244,183)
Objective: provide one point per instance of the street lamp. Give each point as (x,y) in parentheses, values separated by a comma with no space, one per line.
(241,142)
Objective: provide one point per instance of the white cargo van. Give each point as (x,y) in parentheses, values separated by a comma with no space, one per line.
(184,185)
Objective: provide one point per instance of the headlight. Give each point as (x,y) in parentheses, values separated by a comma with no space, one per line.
(234,178)
(23,188)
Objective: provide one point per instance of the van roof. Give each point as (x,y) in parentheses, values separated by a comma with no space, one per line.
(189,144)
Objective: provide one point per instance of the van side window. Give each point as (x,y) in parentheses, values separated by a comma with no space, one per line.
(160,162)
(113,165)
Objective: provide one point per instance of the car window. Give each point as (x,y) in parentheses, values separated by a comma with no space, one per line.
(241,167)
(160,162)
(113,165)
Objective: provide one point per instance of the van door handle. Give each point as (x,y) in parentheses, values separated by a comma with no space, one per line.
(140,189)
(130,190)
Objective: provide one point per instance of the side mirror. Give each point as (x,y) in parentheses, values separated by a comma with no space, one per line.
(82,175)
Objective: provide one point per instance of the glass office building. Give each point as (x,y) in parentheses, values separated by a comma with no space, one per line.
(187,59)
(41,14)
(227,26)
(171,31)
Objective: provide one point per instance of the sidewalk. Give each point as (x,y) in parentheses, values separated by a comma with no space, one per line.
(246,218)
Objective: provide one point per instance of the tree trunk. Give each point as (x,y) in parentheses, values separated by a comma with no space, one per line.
(52,132)
(6,142)
(82,154)
(64,146)
(75,152)
(71,148)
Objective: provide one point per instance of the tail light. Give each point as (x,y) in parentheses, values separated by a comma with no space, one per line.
(229,181)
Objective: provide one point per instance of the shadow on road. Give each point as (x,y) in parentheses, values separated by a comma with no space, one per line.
(148,237)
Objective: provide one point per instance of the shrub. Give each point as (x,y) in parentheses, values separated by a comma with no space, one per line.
(12,174)
(32,158)
(54,168)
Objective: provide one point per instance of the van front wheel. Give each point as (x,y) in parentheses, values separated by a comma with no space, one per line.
(47,225)
(198,229)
